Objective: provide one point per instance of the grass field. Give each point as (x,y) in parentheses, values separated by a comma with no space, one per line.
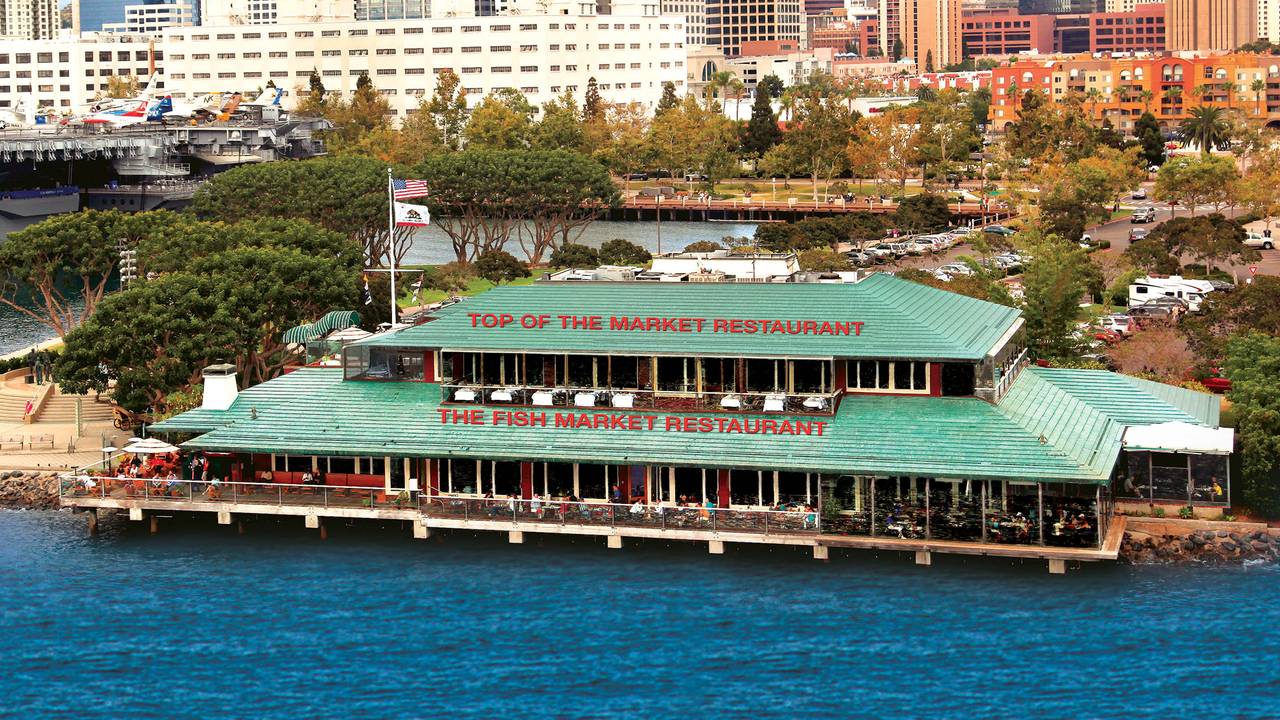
(427,295)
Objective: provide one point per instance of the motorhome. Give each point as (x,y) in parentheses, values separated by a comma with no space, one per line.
(1146,289)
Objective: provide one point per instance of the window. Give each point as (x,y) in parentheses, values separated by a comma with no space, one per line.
(499,48)
(467,29)
(330,33)
(471,49)
(251,36)
(499,28)
(415,71)
(528,68)
(330,53)
(386,51)
(226,36)
(304,34)
(386,71)
(358,52)
(278,54)
(528,26)
(470,71)
(300,53)
(357,33)
(414,30)
(500,69)
(226,56)
(528,48)
(887,375)
(413,51)
(386,31)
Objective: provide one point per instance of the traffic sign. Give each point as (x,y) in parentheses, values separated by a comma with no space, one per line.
(1253,269)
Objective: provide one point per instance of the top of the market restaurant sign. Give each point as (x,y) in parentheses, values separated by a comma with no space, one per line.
(879,317)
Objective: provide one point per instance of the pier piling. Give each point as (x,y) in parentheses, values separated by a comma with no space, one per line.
(615,542)
(1057,567)
(821,552)
(224,517)
(924,557)
(93,522)
(715,547)
(421,531)
(155,524)
(515,537)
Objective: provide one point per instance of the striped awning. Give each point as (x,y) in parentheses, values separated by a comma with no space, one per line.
(335,320)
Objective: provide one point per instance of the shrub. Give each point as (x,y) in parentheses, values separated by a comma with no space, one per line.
(623,252)
(498,266)
(702,246)
(575,255)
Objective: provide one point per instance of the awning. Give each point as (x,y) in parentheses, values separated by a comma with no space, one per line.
(1180,437)
(335,320)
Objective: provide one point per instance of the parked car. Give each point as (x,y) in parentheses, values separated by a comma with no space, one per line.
(636,176)
(999,230)
(1121,324)
(1256,239)
(858,257)
(956,269)
(1143,215)
(1216,382)
(1136,234)
(880,253)
(1086,241)
(1140,194)
(695,177)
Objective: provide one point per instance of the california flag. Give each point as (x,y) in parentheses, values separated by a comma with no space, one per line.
(412,215)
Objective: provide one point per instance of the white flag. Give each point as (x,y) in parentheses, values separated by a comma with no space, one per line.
(412,215)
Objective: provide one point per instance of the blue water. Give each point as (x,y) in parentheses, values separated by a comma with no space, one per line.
(201,622)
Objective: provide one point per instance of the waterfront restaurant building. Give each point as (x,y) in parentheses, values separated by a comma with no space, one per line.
(876,412)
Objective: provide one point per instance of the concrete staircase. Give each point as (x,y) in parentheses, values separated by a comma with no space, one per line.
(11,407)
(62,409)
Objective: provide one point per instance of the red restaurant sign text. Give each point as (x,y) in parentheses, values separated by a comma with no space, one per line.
(635,422)
(746,326)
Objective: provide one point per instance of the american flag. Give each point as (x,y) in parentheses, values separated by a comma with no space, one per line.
(408,189)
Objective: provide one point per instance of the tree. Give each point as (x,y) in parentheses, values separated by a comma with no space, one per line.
(820,130)
(928,61)
(154,338)
(559,128)
(770,86)
(592,105)
(896,53)
(762,131)
(1258,188)
(503,120)
(1253,366)
(1259,88)
(623,252)
(703,246)
(821,260)
(448,108)
(1206,128)
(1081,193)
(668,101)
(626,148)
(453,277)
(1053,282)
(121,86)
(1250,308)
(498,266)
(315,102)
(1148,133)
(1211,239)
(1152,256)
(1192,181)
(46,267)
(572,255)
(365,113)
(480,198)
(926,211)
(347,194)
(1159,350)
(983,284)
(886,145)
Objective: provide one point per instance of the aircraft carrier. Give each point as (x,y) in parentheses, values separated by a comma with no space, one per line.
(58,169)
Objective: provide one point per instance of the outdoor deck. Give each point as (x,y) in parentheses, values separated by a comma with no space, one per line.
(716,526)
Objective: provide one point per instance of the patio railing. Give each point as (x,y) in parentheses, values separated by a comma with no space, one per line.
(814,403)
(557,512)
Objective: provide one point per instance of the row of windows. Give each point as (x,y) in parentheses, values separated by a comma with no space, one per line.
(440,29)
(360,52)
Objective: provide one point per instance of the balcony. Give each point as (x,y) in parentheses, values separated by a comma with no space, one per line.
(583,398)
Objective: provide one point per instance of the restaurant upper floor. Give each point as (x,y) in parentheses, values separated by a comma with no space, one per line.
(773,348)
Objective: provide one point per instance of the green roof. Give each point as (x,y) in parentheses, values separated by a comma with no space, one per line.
(1048,427)
(900,319)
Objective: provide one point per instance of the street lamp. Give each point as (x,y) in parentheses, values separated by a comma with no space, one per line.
(106,456)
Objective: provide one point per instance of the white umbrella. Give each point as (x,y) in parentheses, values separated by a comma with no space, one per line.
(150,446)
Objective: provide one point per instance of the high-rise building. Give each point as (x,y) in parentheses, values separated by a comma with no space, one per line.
(890,26)
(695,18)
(392,9)
(152,16)
(29,19)
(732,22)
(1269,20)
(271,12)
(930,32)
(1204,25)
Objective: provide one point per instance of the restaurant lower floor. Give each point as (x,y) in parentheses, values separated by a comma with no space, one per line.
(1019,512)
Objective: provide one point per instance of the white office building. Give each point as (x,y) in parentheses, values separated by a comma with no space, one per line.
(695,18)
(29,19)
(1269,20)
(68,74)
(630,55)
(273,12)
(151,19)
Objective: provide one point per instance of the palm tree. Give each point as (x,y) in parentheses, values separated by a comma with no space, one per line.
(1094,96)
(1259,87)
(1200,91)
(718,83)
(736,89)
(1172,96)
(1146,97)
(1206,126)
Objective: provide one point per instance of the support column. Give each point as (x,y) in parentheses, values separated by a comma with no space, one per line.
(239,527)
(821,552)
(924,557)
(155,524)
(93,521)
(224,517)
(312,522)
(715,547)
(1057,567)
(515,537)
(324,531)
(615,542)
(420,530)
(135,514)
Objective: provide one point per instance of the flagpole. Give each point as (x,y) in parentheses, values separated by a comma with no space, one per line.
(391,235)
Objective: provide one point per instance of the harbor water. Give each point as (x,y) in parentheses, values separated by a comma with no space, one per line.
(202,622)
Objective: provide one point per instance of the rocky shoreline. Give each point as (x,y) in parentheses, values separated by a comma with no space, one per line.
(1199,543)
(29,490)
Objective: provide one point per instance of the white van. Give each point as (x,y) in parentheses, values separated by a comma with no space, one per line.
(1255,239)
(1146,289)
